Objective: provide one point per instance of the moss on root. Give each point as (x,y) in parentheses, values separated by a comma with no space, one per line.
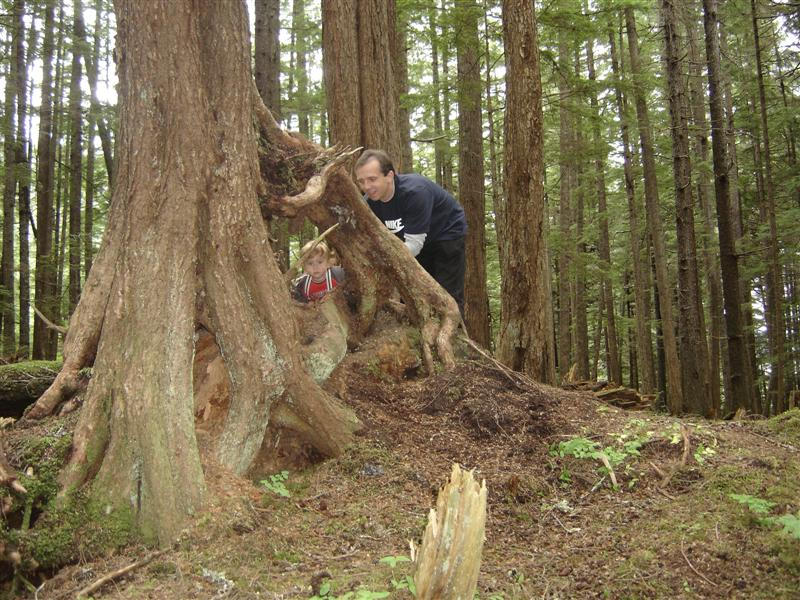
(47,530)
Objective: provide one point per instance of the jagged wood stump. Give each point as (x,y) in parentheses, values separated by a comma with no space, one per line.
(450,556)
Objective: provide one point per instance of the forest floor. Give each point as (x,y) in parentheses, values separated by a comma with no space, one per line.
(557,525)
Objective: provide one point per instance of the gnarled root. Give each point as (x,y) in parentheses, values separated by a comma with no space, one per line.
(289,206)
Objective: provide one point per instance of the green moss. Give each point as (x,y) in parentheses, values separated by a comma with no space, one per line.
(31,366)
(73,528)
(786,424)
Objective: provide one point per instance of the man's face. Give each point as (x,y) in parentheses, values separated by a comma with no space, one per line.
(316,266)
(373,183)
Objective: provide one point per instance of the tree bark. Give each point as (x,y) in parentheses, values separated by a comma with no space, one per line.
(525,340)
(672,364)
(471,191)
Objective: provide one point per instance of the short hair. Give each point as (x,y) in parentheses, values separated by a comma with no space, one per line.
(320,248)
(383,160)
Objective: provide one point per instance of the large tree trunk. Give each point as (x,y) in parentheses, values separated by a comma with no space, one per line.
(526,333)
(358,40)
(186,249)
(185,246)
(471,176)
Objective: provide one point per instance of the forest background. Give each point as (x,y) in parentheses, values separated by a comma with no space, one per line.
(660,278)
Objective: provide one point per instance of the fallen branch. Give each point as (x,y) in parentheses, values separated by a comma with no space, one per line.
(607,465)
(60,329)
(118,573)
(699,574)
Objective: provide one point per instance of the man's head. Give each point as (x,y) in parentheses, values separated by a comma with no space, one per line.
(317,261)
(375,175)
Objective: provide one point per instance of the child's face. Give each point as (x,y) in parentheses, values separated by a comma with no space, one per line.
(316,266)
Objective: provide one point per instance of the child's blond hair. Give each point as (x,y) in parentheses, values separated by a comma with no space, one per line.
(320,248)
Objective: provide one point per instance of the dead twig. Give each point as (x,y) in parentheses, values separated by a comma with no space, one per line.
(684,457)
(49,323)
(607,465)
(516,378)
(699,574)
(118,573)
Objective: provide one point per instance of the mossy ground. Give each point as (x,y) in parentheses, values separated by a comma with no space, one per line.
(557,527)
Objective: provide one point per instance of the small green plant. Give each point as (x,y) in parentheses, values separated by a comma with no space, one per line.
(404,583)
(790,523)
(277,484)
(756,505)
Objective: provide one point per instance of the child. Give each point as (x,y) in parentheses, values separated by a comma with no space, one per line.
(321,276)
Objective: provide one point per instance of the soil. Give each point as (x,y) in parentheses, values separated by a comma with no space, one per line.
(557,525)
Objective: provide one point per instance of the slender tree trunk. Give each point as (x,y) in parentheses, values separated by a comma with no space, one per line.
(43,336)
(774,307)
(672,364)
(439,143)
(732,168)
(88,217)
(447,159)
(604,246)
(497,202)
(267,65)
(566,161)
(641,279)
(471,174)
(740,383)
(267,70)
(401,68)
(75,159)
(24,178)
(711,267)
(691,330)
(526,337)
(10,154)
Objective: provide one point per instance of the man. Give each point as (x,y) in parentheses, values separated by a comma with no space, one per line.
(422,214)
